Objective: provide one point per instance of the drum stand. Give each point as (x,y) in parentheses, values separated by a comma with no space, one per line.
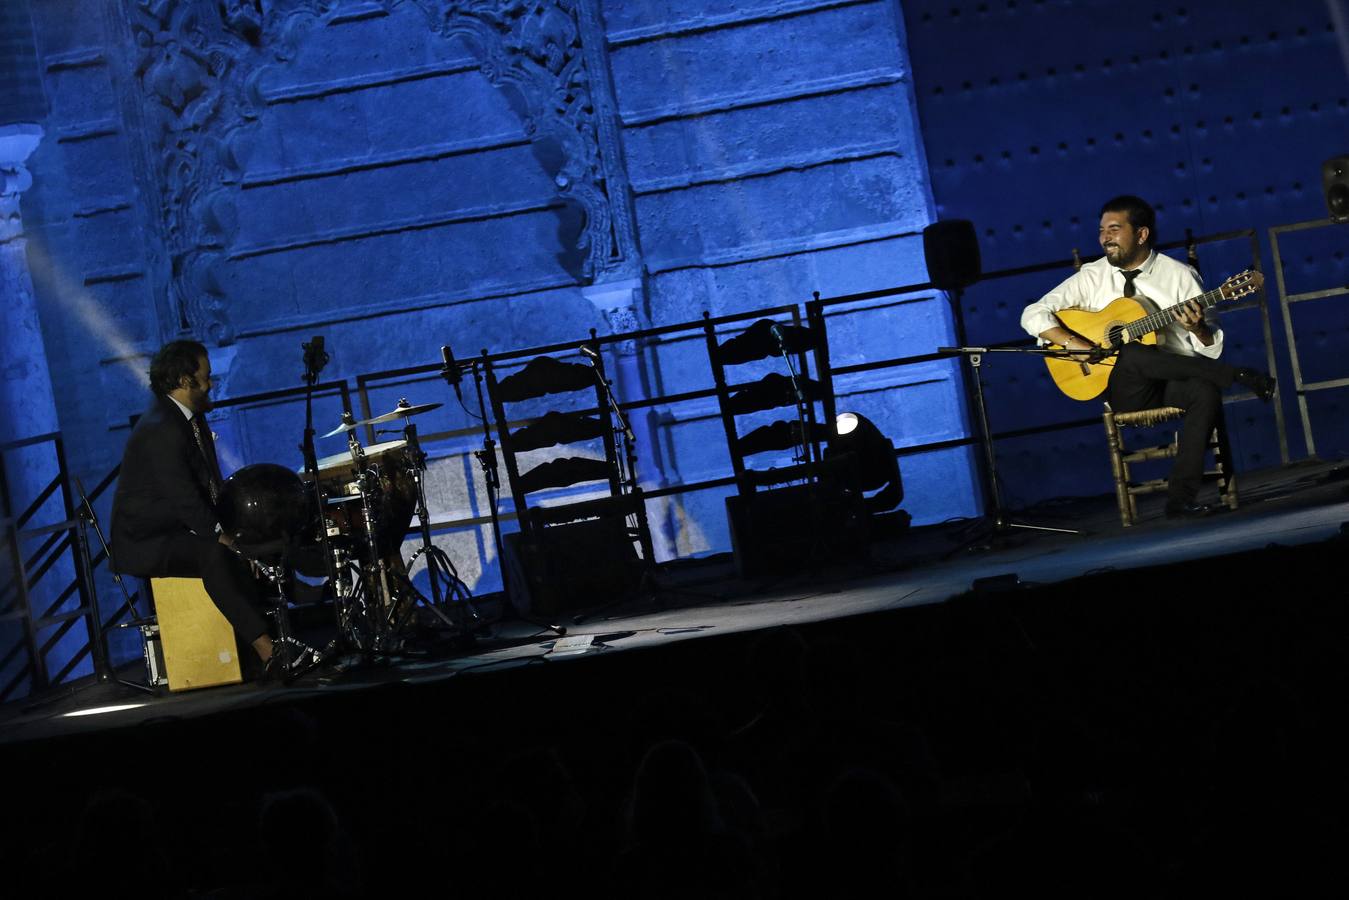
(276,574)
(372,593)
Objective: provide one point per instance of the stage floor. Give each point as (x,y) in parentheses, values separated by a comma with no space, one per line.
(1297,504)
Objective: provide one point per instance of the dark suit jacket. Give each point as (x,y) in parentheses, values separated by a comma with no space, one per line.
(163,490)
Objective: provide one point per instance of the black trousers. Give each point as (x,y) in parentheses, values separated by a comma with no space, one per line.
(1145,377)
(227,578)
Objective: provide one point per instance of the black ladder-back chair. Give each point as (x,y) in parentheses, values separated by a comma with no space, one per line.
(579,553)
(775,391)
(787,516)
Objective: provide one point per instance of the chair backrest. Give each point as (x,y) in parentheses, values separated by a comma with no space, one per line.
(809,418)
(554,421)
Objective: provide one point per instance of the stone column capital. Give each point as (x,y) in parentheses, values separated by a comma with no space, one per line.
(610,296)
(17,143)
(618,302)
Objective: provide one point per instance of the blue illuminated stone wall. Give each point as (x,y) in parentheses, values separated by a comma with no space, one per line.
(401,174)
(1035,112)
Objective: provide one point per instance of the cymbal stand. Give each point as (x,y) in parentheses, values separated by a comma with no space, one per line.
(994,512)
(438,563)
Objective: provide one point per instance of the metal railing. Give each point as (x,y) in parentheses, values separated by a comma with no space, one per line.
(1286,300)
(56,541)
(68,534)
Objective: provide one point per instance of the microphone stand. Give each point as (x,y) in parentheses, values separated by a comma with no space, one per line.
(624,428)
(106,672)
(992,496)
(802,439)
(487,460)
(315,358)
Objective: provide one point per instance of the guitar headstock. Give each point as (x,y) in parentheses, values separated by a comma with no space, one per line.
(1241,284)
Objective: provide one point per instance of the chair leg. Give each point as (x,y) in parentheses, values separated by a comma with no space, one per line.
(1227,478)
(1118,468)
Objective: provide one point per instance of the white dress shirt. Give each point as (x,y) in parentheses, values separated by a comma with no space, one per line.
(186,412)
(1161,283)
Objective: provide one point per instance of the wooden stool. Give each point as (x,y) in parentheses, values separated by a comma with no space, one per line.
(200,649)
(1121,457)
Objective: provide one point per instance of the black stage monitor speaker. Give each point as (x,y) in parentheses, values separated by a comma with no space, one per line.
(799,526)
(951,249)
(571,567)
(1335,183)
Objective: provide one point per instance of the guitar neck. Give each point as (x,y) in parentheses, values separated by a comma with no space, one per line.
(1164,317)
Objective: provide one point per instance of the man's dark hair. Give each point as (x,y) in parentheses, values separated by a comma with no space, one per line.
(1139,211)
(175,361)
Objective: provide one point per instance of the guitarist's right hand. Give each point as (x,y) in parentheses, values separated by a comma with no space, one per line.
(1077,343)
(1070,340)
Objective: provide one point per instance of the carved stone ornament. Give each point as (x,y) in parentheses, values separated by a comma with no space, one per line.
(538,48)
(197,63)
(187,59)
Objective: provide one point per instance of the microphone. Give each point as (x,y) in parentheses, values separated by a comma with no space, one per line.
(450,371)
(776,331)
(314,357)
(589,352)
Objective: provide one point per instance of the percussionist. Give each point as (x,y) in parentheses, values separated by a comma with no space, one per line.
(164,514)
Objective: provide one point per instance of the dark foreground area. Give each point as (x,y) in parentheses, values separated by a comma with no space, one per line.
(1171,732)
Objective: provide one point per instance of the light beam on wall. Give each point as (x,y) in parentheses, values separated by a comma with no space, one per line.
(86,309)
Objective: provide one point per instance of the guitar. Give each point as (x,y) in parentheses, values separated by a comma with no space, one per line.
(1126,321)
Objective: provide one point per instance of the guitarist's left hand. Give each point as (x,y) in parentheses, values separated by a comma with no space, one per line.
(1190,314)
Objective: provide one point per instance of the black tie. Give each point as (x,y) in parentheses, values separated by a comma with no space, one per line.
(207,449)
(1129,276)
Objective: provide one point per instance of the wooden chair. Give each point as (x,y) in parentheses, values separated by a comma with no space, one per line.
(783,516)
(570,553)
(1121,457)
(803,423)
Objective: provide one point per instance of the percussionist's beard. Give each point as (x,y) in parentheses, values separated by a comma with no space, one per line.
(206,403)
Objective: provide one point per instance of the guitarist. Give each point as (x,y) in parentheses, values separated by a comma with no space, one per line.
(1182,369)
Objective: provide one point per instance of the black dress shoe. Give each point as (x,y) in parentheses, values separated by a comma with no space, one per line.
(1258,383)
(1187,510)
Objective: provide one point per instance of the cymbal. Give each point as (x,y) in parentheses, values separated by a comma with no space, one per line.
(402,411)
(345,426)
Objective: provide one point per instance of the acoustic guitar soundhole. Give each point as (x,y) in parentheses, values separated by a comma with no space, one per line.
(1114,336)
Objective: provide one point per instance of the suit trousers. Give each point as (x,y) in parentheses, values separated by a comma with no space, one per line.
(227,578)
(1145,377)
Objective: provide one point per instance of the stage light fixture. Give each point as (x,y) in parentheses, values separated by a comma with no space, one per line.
(873,466)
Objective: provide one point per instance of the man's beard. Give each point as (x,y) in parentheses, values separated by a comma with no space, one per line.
(1115,255)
